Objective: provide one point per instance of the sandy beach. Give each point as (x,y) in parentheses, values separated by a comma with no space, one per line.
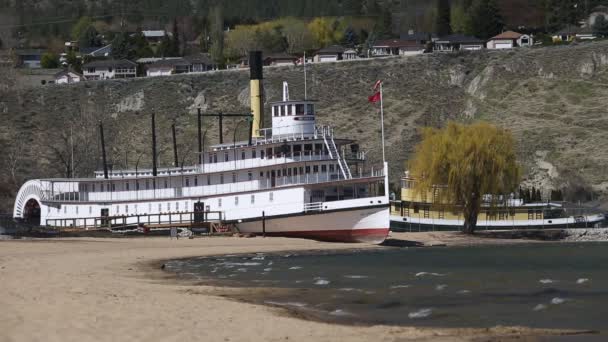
(107,290)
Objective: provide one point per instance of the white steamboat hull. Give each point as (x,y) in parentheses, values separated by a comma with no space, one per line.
(369,225)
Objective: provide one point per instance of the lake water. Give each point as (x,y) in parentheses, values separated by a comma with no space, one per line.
(539,285)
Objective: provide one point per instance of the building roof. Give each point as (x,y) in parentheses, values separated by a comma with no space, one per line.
(397,43)
(155,33)
(170,62)
(333,49)
(507,35)
(201,58)
(116,63)
(66,72)
(29,52)
(460,39)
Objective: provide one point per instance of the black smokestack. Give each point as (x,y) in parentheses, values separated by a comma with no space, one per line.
(103,151)
(154,170)
(255,65)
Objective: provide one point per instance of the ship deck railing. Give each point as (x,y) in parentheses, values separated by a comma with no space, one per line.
(321,179)
(160,220)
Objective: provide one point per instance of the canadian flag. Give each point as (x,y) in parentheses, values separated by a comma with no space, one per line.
(377,96)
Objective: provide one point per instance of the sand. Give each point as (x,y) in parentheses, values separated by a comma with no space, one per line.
(106,290)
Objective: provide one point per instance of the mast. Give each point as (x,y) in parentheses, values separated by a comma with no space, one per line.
(176,163)
(103,151)
(154,170)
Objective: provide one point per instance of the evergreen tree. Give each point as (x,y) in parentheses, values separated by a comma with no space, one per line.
(89,38)
(533,195)
(49,60)
(442,24)
(121,46)
(216,29)
(486,20)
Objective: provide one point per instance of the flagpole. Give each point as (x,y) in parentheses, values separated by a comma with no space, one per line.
(305,92)
(382,123)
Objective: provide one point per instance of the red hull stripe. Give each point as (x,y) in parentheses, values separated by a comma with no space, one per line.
(374,235)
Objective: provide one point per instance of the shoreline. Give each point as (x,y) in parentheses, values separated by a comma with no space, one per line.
(114,289)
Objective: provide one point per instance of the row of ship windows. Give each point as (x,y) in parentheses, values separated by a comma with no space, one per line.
(176,207)
(289,110)
(288,172)
(277,152)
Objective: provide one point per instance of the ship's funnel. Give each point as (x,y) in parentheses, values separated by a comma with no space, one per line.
(256,91)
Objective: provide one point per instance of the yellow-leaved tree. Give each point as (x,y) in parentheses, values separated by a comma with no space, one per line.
(470,161)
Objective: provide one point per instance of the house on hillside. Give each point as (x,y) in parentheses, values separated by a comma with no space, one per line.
(68,77)
(155,36)
(350,54)
(571,32)
(166,67)
(109,69)
(280,59)
(458,42)
(397,47)
(29,58)
(509,40)
(331,53)
(201,62)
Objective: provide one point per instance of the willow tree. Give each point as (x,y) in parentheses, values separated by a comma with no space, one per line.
(469,161)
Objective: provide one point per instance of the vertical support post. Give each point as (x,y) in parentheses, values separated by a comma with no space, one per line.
(103,151)
(154,170)
(263,224)
(221,117)
(176,162)
(382,121)
(200,137)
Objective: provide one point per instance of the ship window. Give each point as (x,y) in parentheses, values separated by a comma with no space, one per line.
(90,209)
(215,157)
(249,175)
(219,202)
(187,182)
(136,185)
(323,168)
(147,184)
(310,110)
(315,168)
(127,186)
(299,109)
(271,196)
(295,171)
(176,206)
(416,209)
(252,199)
(289,172)
(160,209)
(261,173)
(93,187)
(285,111)
(243,154)
(208,180)
(269,152)
(236,200)
(253,154)
(210,159)
(76,210)
(221,179)
(308,169)
(262,154)
(108,187)
(284,172)
(126,208)
(195,181)
(225,156)
(234,178)
(301,170)
(169,207)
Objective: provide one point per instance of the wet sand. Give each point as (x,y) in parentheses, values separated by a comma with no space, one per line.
(114,290)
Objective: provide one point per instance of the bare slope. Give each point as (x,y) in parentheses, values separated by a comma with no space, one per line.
(551,98)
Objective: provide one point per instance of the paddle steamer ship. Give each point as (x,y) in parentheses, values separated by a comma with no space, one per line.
(429,211)
(294,179)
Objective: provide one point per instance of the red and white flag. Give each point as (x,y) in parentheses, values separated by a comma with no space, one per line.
(377,96)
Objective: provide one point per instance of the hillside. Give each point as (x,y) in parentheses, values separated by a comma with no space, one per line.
(551,98)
